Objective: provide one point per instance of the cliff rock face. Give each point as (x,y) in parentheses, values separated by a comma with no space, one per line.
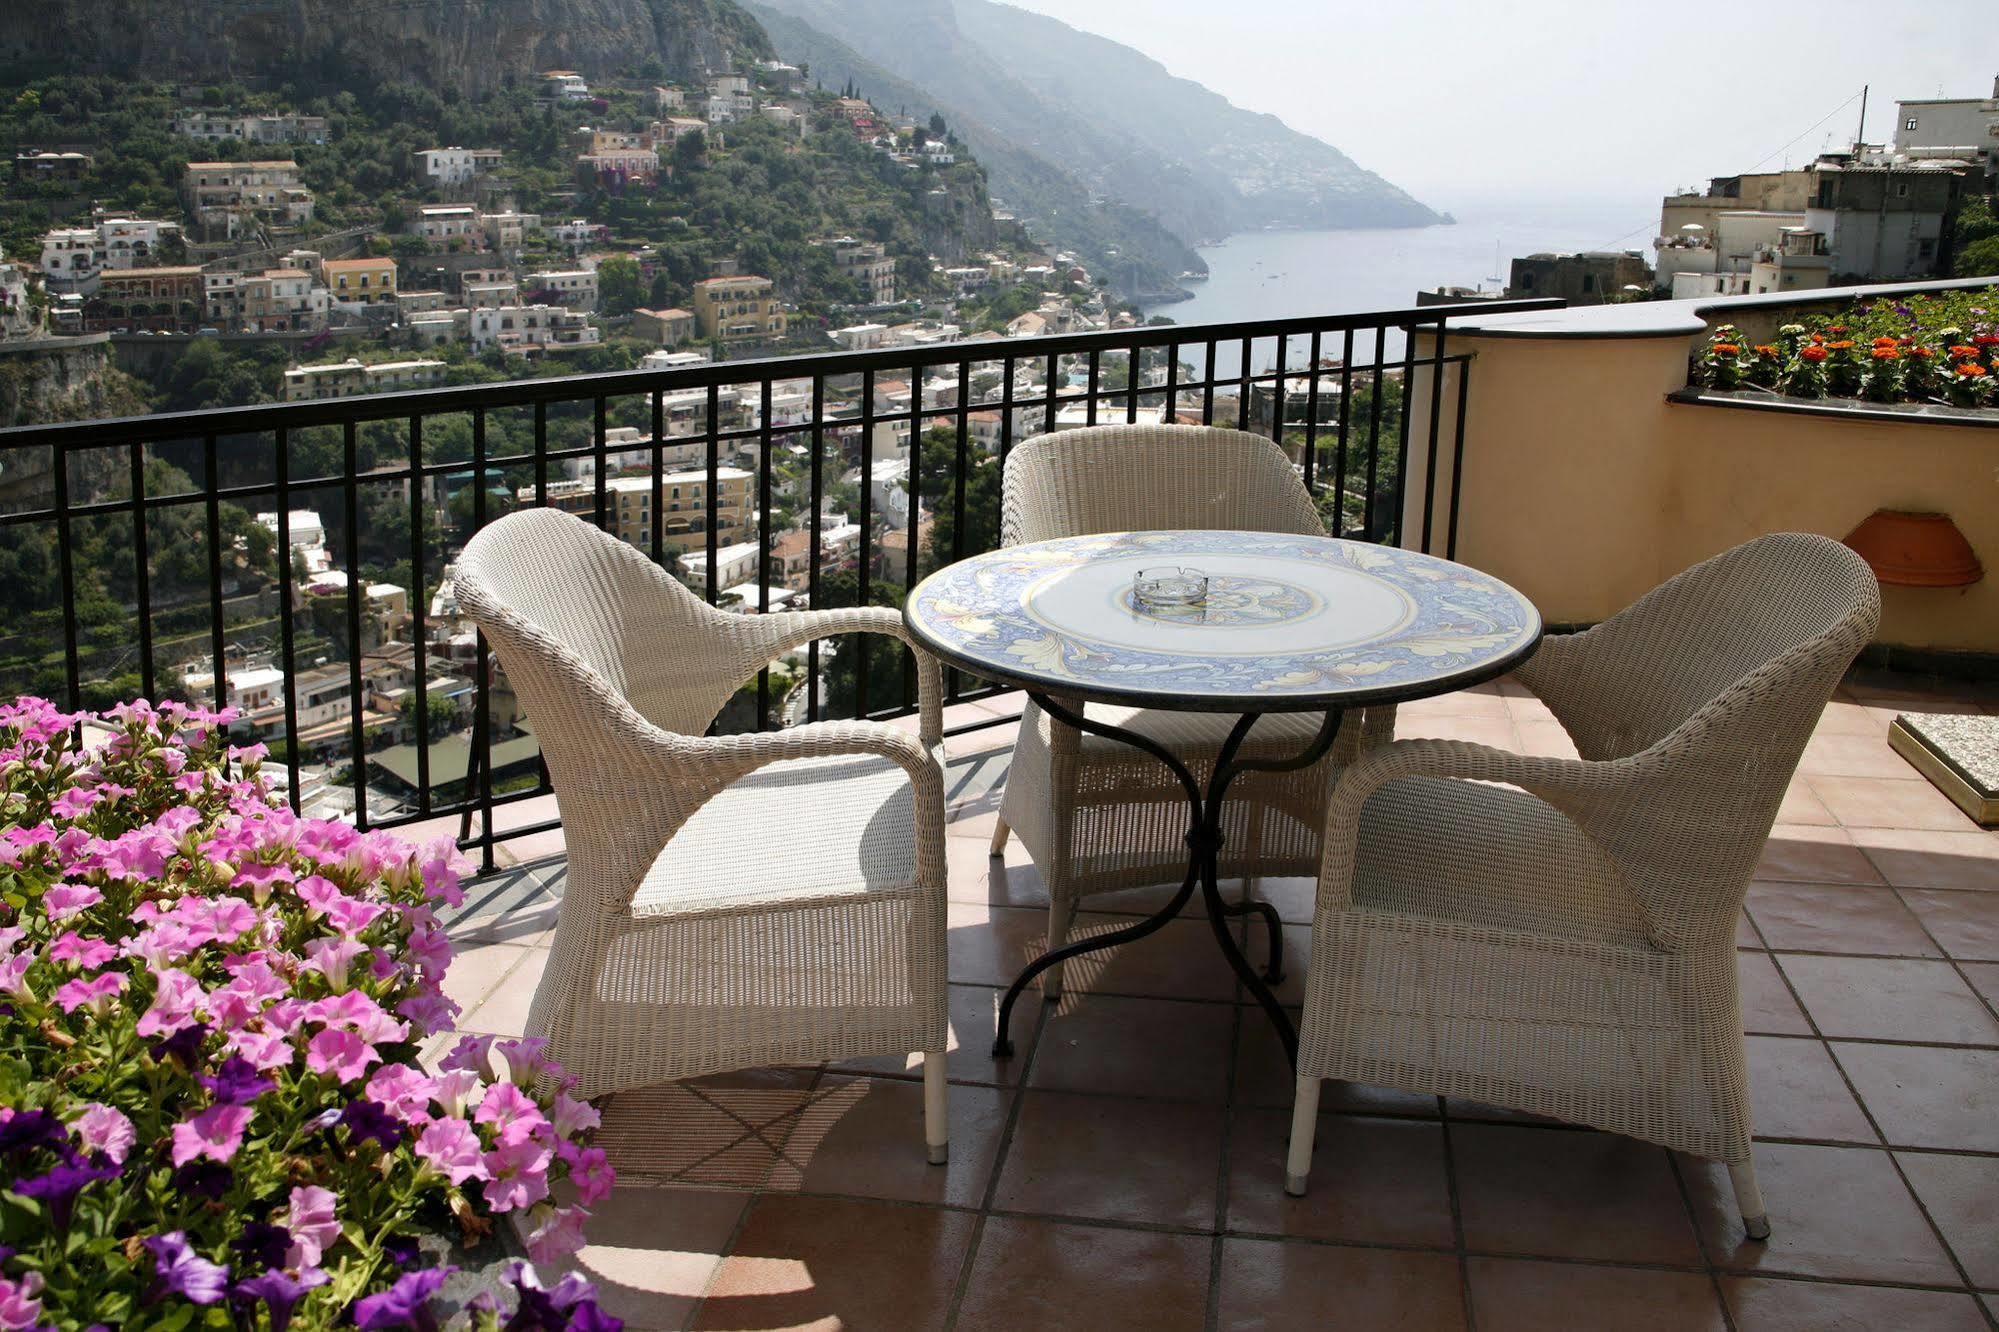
(62,379)
(473,48)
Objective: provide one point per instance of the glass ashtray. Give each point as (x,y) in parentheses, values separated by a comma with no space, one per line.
(1169,585)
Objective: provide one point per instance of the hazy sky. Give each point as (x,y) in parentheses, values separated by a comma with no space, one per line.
(1464,102)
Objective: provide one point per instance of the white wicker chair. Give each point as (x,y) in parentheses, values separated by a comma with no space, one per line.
(1095,814)
(1565,944)
(732,900)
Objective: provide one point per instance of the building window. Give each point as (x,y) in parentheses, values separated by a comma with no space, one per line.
(1909,124)
(1901,191)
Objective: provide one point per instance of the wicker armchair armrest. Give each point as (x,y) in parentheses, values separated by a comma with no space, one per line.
(1575,788)
(770,635)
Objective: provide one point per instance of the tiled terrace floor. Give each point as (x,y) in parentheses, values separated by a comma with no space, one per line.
(1123,1170)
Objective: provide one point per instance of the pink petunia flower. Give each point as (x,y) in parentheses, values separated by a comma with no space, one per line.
(21,1301)
(457,1090)
(511,1113)
(589,1170)
(571,1116)
(342,1053)
(404,1091)
(429,1009)
(472,1052)
(333,958)
(63,900)
(14,976)
(452,1146)
(93,993)
(356,1012)
(519,1174)
(558,1234)
(215,1133)
(101,1128)
(174,1003)
(78,951)
(525,1057)
(314,1227)
(265,1050)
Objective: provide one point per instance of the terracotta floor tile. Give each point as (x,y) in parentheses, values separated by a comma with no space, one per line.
(1373,1181)
(1966,924)
(1178,961)
(1847,717)
(1984,978)
(504,1012)
(1802,853)
(978,876)
(1928,1096)
(835,1263)
(1460,703)
(1962,1195)
(1263,1080)
(1496,731)
(1039,1274)
(1889,999)
(476,972)
(1924,858)
(1528,709)
(988,945)
(1159,1048)
(1833,755)
(1797,1092)
(652,1251)
(1546,739)
(864,1137)
(1767,1005)
(1802,806)
(1561,1194)
(1508,1294)
(1836,918)
(1839,1212)
(722,1135)
(1761,1304)
(1267,1286)
(1882,802)
(969,1054)
(1151,1162)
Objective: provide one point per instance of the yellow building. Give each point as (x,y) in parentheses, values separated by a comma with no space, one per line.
(738,309)
(684,504)
(361,281)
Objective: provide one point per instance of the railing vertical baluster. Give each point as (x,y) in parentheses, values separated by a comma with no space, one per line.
(1277,390)
(142,571)
(658,476)
(285,630)
(1048,405)
(1436,409)
(814,555)
(418,611)
(765,443)
(607,518)
(66,576)
(217,630)
(864,592)
(1208,386)
(1090,408)
(913,551)
(1402,433)
(1172,413)
(1374,433)
(962,480)
(1242,387)
(1312,414)
(351,490)
(482,719)
(1340,447)
(1008,366)
(540,454)
(1458,460)
(713,507)
(1131,384)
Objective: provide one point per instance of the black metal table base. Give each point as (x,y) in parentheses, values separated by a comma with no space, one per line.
(1204,847)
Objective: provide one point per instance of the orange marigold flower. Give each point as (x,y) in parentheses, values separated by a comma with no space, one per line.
(1841,345)
(1835,328)
(1970,369)
(1962,350)
(1812,353)
(1986,339)
(1883,339)
(1818,337)
(1924,352)
(1727,348)
(1766,349)
(1888,353)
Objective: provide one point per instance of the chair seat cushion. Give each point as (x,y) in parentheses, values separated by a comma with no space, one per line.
(1476,854)
(796,833)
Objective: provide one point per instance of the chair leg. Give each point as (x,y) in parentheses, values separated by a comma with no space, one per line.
(1000,831)
(1749,1199)
(1060,913)
(936,1113)
(1304,1127)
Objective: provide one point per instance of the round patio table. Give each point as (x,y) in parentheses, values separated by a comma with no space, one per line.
(1288,624)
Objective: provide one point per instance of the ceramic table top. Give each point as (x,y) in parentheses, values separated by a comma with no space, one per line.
(1290,623)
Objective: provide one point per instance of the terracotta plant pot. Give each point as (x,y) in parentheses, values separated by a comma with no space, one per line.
(1915,549)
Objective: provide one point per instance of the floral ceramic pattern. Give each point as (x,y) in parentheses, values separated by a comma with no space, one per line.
(1292,617)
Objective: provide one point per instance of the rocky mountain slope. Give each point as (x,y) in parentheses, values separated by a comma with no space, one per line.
(1112,117)
(468,48)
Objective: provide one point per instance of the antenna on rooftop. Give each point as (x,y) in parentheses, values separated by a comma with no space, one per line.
(1860,136)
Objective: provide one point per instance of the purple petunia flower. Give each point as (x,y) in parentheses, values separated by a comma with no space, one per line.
(184,1045)
(179,1270)
(236,1082)
(279,1292)
(569,1303)
(405,1304)
(59,1187)
(263,1243)
(204,1179)
(30,1129)
(364,1119)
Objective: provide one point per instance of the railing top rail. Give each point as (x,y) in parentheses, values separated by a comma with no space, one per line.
(222,421)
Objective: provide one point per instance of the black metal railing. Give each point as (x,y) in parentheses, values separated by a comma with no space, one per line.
(136,544)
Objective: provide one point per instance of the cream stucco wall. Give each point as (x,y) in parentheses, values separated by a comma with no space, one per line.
(1584,487)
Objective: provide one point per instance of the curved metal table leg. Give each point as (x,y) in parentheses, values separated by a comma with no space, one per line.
(1204,845)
